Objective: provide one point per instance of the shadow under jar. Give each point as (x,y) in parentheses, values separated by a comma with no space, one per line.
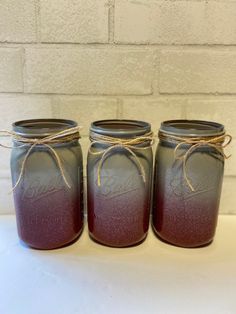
(183,216)
(119,207)
(49,213)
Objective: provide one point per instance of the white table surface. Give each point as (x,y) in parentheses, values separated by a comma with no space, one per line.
(85,277)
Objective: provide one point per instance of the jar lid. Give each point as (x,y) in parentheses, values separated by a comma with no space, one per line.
(192,128)
(120,128)
(41,127)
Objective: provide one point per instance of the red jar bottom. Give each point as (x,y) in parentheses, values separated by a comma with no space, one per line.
(54,247)
(117,245)
(47,243)
(177,243)
(189,222)
(119,222)
(48,221)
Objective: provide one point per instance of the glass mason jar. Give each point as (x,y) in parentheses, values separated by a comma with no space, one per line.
(49,213)
(119,207)
(187,182)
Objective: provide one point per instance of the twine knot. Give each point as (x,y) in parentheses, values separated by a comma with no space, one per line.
(63,136)
(127,144)
(218,143)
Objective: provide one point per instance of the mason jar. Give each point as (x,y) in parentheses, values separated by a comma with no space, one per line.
(119,173)
(189,168)
(49,208)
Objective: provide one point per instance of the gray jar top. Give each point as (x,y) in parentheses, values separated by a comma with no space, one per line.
(192,128)
(120,128)
(41,127)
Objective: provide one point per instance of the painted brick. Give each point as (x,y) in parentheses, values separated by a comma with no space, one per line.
(221,22)
(85,110)
(89,71)
(83,21)
(153,110)
(6,197)
(133,22)
(11,70)
(220,110)
(23,107)
(5,172)
(194,71)
(17,21)
(228,201)
(175,22)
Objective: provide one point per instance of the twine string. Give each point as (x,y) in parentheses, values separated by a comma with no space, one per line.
(218,143)
(55,138)
(130,145)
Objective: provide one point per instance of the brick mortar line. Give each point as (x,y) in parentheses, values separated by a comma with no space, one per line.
(156,89)
(184,110)
(24,74)
(38,21)
(120,108)
(111,22)
(196,94)
(22,94)
(89,95)
(117,96)
(149,95)
(111,45)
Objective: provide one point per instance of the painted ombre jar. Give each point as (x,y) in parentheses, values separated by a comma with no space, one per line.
(119,173)
(49,208)
(189,168)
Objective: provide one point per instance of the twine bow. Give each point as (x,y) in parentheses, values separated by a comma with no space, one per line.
(129,145)
(218,143)
(56,138)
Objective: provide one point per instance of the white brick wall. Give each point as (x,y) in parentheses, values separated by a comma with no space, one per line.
(11,64)
(20,107)
(84,21)
(175,22)
(88,71)
(18,21)
(197,71)
(136,59)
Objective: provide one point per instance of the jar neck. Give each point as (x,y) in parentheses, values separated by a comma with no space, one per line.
(120,128)
(41,128)
(190,129)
